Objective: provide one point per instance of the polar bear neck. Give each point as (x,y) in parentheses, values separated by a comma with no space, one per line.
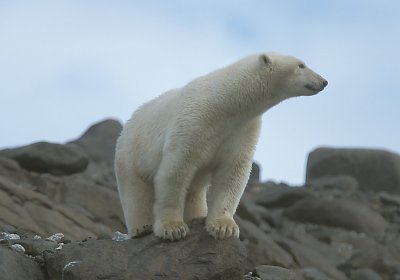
(238,89)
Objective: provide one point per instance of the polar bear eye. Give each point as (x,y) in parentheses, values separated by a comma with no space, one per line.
(302,66)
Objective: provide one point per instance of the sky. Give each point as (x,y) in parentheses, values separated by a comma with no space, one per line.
(65,65)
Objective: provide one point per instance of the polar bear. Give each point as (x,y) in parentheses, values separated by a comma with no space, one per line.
(188,153)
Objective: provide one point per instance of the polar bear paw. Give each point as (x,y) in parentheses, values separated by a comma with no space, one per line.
(222,228)
(171,230)
(140,231)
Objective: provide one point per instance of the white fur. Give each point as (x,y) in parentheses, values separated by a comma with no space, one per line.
(198,141)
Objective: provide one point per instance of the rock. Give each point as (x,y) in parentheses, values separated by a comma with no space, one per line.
(18,248)
(99,140)
(199,256)
(91,197)
(255,173)
(281,197)
(369,253)
(244,212)
(375,170)
(15,266)
(33,211)
(307,257)
(311,273)
(337,213)
(9,236)
(261,248)
(344,183)
(36,247)
(118,236)
(365,274)
(299,234)
(55,237)
(269,272)
(251,276)
(390,199)
(43,157)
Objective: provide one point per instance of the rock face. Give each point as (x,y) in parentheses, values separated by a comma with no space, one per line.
(344,223)
(373,169)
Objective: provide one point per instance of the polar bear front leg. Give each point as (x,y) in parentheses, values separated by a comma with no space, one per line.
(227,187)
(171,184)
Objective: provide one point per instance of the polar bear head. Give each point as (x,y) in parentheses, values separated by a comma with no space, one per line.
(288,76)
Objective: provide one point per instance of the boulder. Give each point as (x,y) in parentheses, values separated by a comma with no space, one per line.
(375,170)
(199,256)
(281,197)
(307,257)
(261,248)
(346,214)
(365,274)
(255,173)
(99,140)
(343,183)
(311,273)
(270,272)
(43,157)
(16,266)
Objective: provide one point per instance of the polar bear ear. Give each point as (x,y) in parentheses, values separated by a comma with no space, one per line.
(265,59)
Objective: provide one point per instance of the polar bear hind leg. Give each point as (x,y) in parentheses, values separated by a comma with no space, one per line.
(137,199)
(171,185)
(196,199)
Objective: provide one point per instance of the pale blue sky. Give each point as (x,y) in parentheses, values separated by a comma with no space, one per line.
(67,64)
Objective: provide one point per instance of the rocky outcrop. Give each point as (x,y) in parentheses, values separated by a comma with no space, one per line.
(98,142)
(199,256)
(45,188)
(343,223)
(49,158)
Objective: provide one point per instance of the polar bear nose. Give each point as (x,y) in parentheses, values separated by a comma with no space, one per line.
(325,83)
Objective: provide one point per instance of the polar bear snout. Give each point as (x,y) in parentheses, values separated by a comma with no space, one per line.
(317,86)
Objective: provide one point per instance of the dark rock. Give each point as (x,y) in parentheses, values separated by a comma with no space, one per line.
(369,253)
(99,140)
(199,256)
(390,199)
(31,210)
(50,158)
(92,198)
(298,233)
(16,266)
(365,274)
(307,257)
(375,170)
(261,248)
(344,183)
(269,272)
(8,164)
(311,273)
(281,197)
(255,173)
(244,212)
(337,213)
(36,247)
